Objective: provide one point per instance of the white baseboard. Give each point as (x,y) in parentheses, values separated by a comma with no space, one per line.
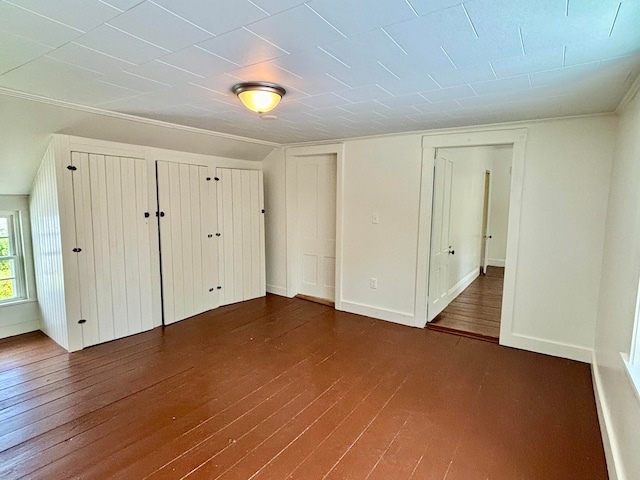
(547,347)
(459,287)
(611,449)
(19,328)
(495,262)
(376,312)
(282,291)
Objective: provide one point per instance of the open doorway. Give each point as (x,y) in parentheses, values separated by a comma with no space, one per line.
(470,215)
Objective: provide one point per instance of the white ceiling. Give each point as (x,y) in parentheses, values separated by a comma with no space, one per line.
(350,67)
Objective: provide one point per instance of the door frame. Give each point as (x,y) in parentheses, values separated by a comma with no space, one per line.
(430,144)
(291,195)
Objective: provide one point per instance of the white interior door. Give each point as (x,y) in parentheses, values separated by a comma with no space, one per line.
(188,244)
(440,237)
(241,228)
(113,235)
(316,186)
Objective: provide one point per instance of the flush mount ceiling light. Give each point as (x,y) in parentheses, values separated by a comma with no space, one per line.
(259,97)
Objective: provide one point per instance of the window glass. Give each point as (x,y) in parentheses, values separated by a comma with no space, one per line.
(11,264)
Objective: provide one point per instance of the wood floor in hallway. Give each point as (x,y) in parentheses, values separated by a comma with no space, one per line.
(476,311)
(279,388)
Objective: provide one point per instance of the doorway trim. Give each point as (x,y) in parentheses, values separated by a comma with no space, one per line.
(484,138)
(291,195)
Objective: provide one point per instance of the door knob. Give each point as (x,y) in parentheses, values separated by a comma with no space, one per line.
(452,252)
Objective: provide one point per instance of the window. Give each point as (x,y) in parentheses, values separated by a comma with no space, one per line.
(632,361)
(12,284)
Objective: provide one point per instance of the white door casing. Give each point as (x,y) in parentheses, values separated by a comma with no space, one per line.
(113,235)
(441,247)
(187,209)
(316,207)
(430,144)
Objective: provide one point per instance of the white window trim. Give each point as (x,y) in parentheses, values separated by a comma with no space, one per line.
(15,234)
(632,361)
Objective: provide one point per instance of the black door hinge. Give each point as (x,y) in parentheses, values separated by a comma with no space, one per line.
(218,234)
(146,215)
(72,168)
(216,179)
(81,321)
(77,250)
(219,287)
(208,179)
(159,214)
(263,210)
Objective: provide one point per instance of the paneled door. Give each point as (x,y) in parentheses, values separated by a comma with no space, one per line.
(241,228)
(188,244)
(316,186)
(440,237)
(113,235)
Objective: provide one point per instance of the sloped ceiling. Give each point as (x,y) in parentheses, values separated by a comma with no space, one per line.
(26,127)
(351,67)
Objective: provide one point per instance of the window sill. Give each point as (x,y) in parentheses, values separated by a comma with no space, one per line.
(19,301)
(633,372)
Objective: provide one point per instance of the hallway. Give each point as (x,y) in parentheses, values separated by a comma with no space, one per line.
(476,311)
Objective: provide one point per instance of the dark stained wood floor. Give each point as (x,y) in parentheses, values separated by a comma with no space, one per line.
(476,311)
(278,388)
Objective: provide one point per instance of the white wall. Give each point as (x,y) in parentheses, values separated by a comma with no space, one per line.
(273,167)
(564,202)
(618,293)
(381,175)
(467,198)
(47,250)
(23,316)
(499,163)
(565,191)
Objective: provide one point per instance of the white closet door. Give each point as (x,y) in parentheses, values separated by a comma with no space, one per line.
(187,208)
(113,236)
(441,249)
(241,250)
(316,182)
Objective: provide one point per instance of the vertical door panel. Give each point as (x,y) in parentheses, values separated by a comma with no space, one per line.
(131,243)
(440,235)
(225,214)
(84,241)
(187,240)
(110,195)
(246,215)
(99,208)
(240,205)
(116,246)
(144,243)
(316,185)
(238,244)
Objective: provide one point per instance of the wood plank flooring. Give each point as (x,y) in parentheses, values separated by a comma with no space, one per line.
(476,311)
(278,388)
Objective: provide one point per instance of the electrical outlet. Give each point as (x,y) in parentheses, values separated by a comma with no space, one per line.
(375,218)
(373,283)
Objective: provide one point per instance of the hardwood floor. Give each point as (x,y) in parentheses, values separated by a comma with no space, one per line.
(279,388)
(476,311)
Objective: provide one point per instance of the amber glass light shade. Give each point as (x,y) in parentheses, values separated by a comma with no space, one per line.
(259,97)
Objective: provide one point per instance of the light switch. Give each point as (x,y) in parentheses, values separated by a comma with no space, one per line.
(373,283)
(375,218)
